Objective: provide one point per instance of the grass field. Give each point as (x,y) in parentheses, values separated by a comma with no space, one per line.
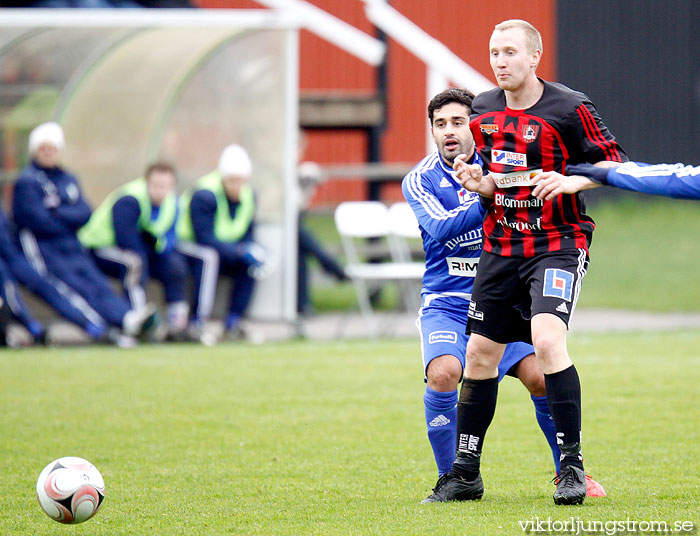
(312,438)
(644,256)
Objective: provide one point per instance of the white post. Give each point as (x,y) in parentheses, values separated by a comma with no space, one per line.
(425,47)
(290,166)
(332,29)
(435,83)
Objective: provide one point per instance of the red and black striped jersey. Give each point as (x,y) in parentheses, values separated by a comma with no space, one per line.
(562,128)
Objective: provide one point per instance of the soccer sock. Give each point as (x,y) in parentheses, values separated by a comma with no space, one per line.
(475,411)
(95,331)
(232,321)
(544,419)
(564,397)
(441,419)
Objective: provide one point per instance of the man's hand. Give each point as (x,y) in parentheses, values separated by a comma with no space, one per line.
(471,177)
(550,184)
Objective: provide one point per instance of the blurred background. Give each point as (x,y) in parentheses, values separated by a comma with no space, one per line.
(356,82)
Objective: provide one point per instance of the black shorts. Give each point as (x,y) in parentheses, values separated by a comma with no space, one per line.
(509,291)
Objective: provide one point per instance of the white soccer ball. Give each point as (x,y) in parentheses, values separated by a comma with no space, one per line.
(70,490)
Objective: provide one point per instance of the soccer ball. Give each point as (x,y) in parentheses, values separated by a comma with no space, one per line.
(70,490)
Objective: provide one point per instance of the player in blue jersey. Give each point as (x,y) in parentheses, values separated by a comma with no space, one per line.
(450,219)
(670,180)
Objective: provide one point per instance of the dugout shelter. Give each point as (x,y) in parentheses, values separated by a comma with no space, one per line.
(133,86)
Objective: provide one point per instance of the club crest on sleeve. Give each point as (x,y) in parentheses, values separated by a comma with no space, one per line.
(558,284)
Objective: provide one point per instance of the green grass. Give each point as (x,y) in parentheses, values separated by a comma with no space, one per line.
(645,256)
(328,438)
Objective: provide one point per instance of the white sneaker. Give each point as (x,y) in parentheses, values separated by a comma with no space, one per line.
(120,339)
(135,319)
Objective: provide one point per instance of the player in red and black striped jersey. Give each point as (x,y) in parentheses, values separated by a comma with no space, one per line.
(562,127)
(535,252)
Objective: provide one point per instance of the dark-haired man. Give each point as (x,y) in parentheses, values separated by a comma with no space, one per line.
(450,220)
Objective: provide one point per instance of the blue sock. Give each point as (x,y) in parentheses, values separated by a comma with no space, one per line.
(441,418)
(95,331)
(232,321)
(35,328)
(544,419)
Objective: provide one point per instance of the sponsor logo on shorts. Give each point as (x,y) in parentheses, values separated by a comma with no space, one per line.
(558,284)
(442,336)
(530,132)
(562,308)
(508,158)
(516,178)
(473,313)
(462,267)
(488,128)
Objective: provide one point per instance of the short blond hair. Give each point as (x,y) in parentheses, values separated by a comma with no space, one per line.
(533,39)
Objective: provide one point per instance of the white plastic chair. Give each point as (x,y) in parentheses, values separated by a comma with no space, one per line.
(404,228)
(360,220)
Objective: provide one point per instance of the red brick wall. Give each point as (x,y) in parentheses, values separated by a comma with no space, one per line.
(464,26)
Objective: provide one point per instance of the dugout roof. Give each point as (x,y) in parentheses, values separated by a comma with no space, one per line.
(133,86)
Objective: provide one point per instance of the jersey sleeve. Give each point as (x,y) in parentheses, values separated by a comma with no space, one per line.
(440,223)
(125,218)
(29,212)
(74,213)
(596,142)
(670,180)
(7,247)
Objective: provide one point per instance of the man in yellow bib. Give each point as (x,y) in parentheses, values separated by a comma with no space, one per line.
(216,230)
(132,237)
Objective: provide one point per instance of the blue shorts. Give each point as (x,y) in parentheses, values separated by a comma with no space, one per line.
(442,326)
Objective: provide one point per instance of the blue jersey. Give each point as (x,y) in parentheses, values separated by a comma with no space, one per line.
(450,219)
(671,180)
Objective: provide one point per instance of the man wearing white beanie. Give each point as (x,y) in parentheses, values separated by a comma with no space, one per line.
(48,209)
(217,216)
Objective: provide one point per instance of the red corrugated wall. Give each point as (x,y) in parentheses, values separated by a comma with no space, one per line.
(463,26)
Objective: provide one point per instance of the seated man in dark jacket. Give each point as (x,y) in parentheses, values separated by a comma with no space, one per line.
(48,209)
(217,215)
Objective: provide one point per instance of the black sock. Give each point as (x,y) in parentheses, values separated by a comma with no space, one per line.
(475,410)
(564,399)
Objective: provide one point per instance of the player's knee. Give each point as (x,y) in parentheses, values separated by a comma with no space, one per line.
(548,344)
(529,372)
(444,373)
(483,355)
